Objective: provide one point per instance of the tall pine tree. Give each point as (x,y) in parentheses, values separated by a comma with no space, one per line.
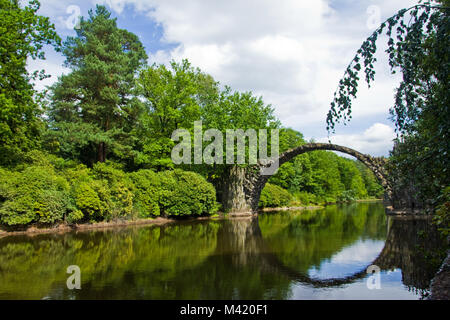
(93,108)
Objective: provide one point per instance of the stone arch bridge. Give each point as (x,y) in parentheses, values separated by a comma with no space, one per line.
(243,189)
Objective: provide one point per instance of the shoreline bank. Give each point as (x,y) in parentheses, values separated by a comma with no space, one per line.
(159,221)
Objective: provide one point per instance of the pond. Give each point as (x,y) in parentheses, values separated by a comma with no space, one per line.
(307,254)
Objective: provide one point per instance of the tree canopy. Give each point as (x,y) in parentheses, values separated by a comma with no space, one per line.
(23,35)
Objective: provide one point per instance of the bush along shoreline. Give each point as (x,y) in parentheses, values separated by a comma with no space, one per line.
(45,190)
(48,192)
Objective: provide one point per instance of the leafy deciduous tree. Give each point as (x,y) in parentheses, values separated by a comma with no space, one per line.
(23,35)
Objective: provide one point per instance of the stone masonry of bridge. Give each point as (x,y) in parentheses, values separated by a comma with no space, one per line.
(252,182)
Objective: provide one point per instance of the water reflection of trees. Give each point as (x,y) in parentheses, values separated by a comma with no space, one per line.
(311,237)
(413,245)
(241,259)
(34,268)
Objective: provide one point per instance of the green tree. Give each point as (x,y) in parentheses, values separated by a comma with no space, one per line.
(173,98)
(326,176)
(295,174)
(23,35)
(234,110)
(238,110)
(352,178)
(374,189)
(93,109)
(418,47)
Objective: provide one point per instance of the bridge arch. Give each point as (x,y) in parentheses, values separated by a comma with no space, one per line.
(255,182)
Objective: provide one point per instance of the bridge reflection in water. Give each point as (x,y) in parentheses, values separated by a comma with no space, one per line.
(409,240)
(265,257)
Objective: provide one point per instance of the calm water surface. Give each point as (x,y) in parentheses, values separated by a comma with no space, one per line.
(317,254)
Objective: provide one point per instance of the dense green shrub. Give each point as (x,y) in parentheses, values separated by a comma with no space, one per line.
(102,193)
(35,194)
(274,196)
(347,195)
(118,190)
(186,193)
(87,200)
(52,205)
(147,192)
(74,216)
(306,198)
(91,196)
(47,189)
(173,193)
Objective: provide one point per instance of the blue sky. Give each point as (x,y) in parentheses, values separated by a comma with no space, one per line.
(291,52)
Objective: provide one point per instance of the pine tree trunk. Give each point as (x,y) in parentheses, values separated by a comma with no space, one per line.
(101,152)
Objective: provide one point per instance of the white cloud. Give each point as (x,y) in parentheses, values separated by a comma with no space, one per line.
(376,140)
(349,260)
(363,251)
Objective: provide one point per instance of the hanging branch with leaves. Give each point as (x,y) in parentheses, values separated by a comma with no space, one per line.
(405,50)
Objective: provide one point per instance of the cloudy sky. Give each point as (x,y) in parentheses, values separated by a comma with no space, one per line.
(291,52)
